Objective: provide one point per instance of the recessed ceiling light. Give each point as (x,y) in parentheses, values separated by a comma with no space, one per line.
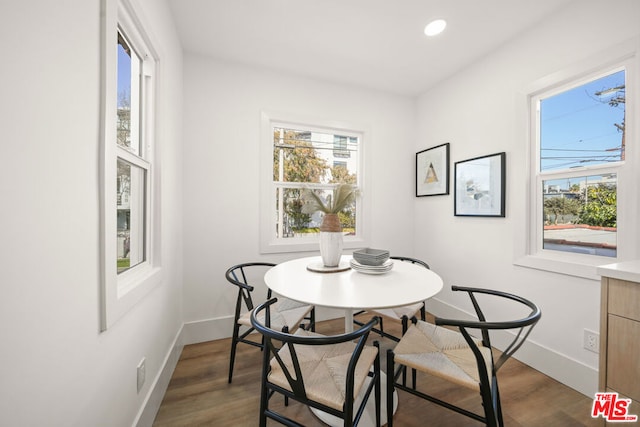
(435,27)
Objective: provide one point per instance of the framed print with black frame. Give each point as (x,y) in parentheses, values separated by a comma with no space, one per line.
(480,186)
(432,171)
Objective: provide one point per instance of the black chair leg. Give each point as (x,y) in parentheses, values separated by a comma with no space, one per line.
(487,403)
(264,404)
(312,319)
(381,328)
(405,326)
(498,406)
(390,388)
(232,357)
(378,392)
(413,378)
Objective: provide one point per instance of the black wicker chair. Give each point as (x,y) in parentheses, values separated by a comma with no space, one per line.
(323,372)
(400,314)
(459,357)
(286,315)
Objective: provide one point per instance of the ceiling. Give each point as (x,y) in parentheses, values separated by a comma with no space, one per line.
(376,44)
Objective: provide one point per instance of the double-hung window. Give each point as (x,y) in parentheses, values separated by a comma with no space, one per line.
(582,184)
(129,229)
(581,147)
(307,155)
(133,165)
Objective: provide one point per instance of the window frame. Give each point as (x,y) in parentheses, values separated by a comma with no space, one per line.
(528,249)
(122,291)
(269,243)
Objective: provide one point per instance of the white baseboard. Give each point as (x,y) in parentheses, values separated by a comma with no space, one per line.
(154,397)
(207,330)
(566,370)
(222,327)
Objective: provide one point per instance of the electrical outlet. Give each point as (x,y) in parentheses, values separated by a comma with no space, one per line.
(141,373)
(591,341)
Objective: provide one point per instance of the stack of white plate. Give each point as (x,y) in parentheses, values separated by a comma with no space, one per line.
(372,269)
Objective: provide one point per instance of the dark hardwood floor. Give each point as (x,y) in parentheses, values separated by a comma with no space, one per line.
(199,395)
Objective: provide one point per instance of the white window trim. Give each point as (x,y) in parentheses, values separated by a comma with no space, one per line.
(268,242)
(527,249)
(121,292)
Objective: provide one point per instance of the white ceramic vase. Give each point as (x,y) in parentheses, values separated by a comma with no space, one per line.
(331,244)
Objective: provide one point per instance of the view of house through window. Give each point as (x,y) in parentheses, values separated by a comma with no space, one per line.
(131,197)
(313,159)
(581,144)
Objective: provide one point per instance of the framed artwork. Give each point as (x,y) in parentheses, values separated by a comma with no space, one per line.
(432,171)
(480,186)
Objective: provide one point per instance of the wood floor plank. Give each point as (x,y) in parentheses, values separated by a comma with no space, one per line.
(199,395)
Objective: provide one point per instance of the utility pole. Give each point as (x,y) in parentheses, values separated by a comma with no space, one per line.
(618,98)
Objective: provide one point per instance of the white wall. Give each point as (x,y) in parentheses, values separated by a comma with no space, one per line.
(57,369)
(223,105)
(477,112)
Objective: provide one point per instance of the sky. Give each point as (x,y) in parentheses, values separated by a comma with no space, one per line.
(124,73)
(577,126)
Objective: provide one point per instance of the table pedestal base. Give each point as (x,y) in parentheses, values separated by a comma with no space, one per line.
(369,415)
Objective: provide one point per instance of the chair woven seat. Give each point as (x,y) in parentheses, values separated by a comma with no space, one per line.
(442,352)
(284,313)
(324,369)
(397,313)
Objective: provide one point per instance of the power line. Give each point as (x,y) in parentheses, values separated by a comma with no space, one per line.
(581,150)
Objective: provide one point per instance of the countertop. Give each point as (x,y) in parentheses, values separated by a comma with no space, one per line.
(628,270)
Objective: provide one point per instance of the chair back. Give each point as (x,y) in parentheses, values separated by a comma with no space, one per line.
(239,275)
(275,341)
(411,260)
(522,325)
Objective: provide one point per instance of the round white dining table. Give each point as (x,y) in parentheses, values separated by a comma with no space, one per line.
(404,284)
(351,290)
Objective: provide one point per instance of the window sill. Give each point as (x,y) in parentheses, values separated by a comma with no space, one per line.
(127,291)
(568,266)
(303,245)
(143,276)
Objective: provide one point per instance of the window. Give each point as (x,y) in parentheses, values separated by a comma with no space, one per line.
(581,186)
(310,155)
(132,167)
(129,231)
(581,144)
(341,145)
